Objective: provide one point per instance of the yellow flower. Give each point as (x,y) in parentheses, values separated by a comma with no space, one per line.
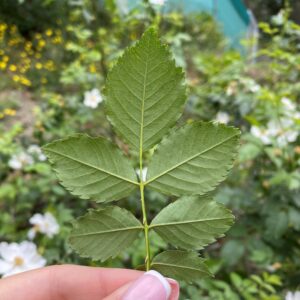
(41,43)
(57,40)
(5,58)
(28,46)
(23,54)
(1,52)
(13,68)
(2,65)
(38,55)
(25,81)
(49,32)
(92,68)
(3,27)
(9,112)
(16,78)
(38,66)
(44,80)
(49,65)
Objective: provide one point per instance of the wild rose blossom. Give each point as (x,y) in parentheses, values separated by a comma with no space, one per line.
(222,117)
(16,258)
(35,150)
(45,224)
(20,160)
(92,98)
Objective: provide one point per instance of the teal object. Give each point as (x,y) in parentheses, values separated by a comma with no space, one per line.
(232,15)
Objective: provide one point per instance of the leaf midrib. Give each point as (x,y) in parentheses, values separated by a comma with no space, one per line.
(177,266)
(187,222)
(108,231)
(143,111)
(91,166)
(188,159)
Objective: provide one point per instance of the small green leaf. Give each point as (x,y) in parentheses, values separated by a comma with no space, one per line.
(194,159)
(180,265)
(193,222)
(92,168)
(104,233)
(145,93)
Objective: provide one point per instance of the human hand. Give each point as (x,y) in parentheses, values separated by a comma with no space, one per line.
(70,282)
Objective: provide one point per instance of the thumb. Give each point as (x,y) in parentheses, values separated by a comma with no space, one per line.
(151,285)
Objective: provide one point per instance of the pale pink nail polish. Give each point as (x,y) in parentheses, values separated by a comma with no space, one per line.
(152,285)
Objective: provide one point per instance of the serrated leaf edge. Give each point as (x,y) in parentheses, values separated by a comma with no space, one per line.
(127,51)
(182,128)
(90,211)
(202,260)
(230,219)
(80,135)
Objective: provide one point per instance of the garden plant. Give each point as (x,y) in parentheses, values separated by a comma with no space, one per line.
(144,96)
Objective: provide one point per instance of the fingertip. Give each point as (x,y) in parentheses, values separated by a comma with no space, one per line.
(152,285)
(175,289)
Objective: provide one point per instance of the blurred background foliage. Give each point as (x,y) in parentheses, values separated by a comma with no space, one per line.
(53,52)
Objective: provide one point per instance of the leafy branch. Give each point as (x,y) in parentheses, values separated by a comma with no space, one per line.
(145,95)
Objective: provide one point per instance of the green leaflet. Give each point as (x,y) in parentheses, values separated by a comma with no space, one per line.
(104,233)
(192,222)
(193,160)
(92,168)
(180,265)
(144,93)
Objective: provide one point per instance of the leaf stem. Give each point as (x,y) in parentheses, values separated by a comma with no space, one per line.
(142,184)
(145,222)
(146,226)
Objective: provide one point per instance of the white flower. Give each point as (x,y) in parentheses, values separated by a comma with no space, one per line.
(278,19)
(292,296)
(45,224)
(222,117)
(262,134)
(157,2)
(144,173)
(18,161)
(37,151)
(282,130)
(92,98)
(254,88)
(289,136)
(288,104)
(16,258)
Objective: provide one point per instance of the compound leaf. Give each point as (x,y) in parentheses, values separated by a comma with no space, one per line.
(193,160)
(192,222)
(104,233)
(92,168)
(180,265)
(144,93)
